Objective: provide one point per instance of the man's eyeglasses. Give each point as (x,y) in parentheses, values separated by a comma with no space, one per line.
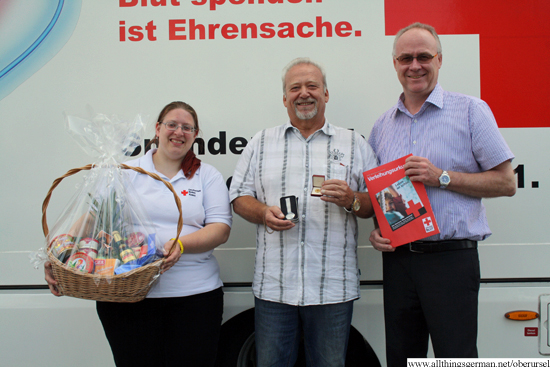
(422,58)
(172,126)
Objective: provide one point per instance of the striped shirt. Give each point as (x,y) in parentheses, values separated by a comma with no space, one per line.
(456,133)
(315,262)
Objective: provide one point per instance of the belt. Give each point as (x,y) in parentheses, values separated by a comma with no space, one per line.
(438,246)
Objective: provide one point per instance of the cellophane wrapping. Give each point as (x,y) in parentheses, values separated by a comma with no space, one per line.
(104,230)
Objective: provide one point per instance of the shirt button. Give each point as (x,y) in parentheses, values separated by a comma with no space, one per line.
(305,188)
(414,142)
(302,243)
(414,120)
(303,215)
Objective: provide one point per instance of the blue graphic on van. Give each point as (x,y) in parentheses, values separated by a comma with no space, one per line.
(31,37)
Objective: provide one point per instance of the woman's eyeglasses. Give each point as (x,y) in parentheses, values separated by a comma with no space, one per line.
(172,126)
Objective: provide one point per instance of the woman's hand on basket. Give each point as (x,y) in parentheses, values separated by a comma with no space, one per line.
(52,283)
(170,259)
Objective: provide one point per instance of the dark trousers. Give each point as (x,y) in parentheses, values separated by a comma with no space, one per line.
(180,331)
(430,295)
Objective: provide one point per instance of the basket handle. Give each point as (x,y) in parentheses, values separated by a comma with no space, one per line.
(122,165)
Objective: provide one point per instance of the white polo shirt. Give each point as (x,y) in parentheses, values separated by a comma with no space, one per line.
(204,199)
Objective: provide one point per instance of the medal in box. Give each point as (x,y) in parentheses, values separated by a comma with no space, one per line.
(317,181)
(289,207)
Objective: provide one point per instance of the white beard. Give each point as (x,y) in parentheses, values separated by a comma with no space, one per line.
(307,115)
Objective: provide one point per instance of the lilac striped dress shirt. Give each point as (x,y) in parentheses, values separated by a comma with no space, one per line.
(456,133)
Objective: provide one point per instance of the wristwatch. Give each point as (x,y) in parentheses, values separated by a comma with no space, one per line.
(355,206)
(444,180)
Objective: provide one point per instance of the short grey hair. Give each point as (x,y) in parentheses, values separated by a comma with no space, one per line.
(418,25)
(307,61)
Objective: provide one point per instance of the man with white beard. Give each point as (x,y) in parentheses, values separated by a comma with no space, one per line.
(301,183)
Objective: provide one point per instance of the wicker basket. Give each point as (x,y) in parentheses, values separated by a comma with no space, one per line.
(131,286)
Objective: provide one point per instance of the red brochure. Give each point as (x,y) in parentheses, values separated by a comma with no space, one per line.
(401,206)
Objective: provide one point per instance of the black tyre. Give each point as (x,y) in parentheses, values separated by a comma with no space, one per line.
(237,343)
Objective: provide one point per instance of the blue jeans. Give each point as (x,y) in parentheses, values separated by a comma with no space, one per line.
(279,328)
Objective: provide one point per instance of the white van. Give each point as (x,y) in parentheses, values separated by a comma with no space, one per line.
(224,57)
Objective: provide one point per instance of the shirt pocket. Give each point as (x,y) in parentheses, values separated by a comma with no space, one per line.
(338,171)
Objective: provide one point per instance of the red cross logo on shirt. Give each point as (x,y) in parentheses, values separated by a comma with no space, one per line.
(184,192)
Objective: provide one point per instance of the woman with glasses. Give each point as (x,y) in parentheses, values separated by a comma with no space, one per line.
(178,323)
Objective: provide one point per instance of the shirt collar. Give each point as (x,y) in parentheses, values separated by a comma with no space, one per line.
(327,128)
(435,98)
(149,166)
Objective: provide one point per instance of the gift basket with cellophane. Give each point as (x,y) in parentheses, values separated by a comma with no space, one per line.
(103,246)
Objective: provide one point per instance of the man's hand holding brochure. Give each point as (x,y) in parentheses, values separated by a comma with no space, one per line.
(401,206)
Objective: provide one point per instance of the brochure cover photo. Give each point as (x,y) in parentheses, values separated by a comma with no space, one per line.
(401,206)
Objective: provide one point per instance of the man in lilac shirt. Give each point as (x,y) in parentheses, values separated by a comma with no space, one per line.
(431,287)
